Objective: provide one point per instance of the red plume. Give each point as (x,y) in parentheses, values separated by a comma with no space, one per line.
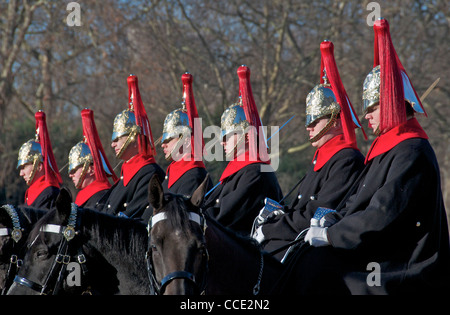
(93,141)
(145,138)
(329,63)
(392,99)
(251,112)
(50,166)
(192,113)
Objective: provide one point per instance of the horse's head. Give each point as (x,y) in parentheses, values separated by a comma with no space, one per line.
(6,241)
(178,254)
(46,255)
(15,225)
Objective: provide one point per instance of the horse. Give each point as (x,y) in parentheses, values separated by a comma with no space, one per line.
(192,253)
(109,251)
(15,225)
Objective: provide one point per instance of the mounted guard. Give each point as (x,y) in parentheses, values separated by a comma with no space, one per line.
(244,183)
(132,141)
(337,162)
(395,215)
(183,146)
(37,166)
(89,167)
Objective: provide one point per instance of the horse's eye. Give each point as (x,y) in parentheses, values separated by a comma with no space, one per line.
(153,247)
(42,254)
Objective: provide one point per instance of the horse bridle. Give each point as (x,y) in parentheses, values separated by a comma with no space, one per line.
(62,259)
(16,234)
(157,288)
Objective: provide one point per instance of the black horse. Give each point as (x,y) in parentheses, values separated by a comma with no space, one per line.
(192,253)
(110,252)
(15,225)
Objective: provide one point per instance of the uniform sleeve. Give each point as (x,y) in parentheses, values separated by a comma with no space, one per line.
(338,179)
(240,207)
(47,198)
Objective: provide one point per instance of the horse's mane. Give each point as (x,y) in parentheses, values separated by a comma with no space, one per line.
(32,215)
(115,232)
(122,235)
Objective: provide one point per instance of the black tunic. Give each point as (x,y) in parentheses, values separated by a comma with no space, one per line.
(323,188)
(397,220)
(46,199)
(237,201)
(92,202)
(188,182)
(132,200)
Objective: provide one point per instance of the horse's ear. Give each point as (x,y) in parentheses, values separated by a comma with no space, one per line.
(199,193)
(63,204)
(155,193)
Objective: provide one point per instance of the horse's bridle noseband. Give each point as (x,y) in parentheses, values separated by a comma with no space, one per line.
(159,288)
(59,265)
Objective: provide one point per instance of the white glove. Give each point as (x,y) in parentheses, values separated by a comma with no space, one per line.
(317,236)
(258,235)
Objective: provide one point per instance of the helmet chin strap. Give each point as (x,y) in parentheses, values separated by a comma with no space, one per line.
(131,137)
(325,129)
(34,170)
(83,175)
(232,154)
(176,147)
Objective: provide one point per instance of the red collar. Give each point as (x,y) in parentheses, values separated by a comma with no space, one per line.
(178,168)
(90,190)
(329,149)
(236,165)
(385,142)
(133,165)
(37,187)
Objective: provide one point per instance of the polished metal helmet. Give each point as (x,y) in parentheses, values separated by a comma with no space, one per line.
(124,124)
(321,102)
(233,120)
(30,152)
(80,154)
(176,124)
(371,91)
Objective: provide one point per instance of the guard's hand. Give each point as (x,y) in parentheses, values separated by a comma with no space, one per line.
(270,210)
(330,218)
(258,235)
(317,236)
